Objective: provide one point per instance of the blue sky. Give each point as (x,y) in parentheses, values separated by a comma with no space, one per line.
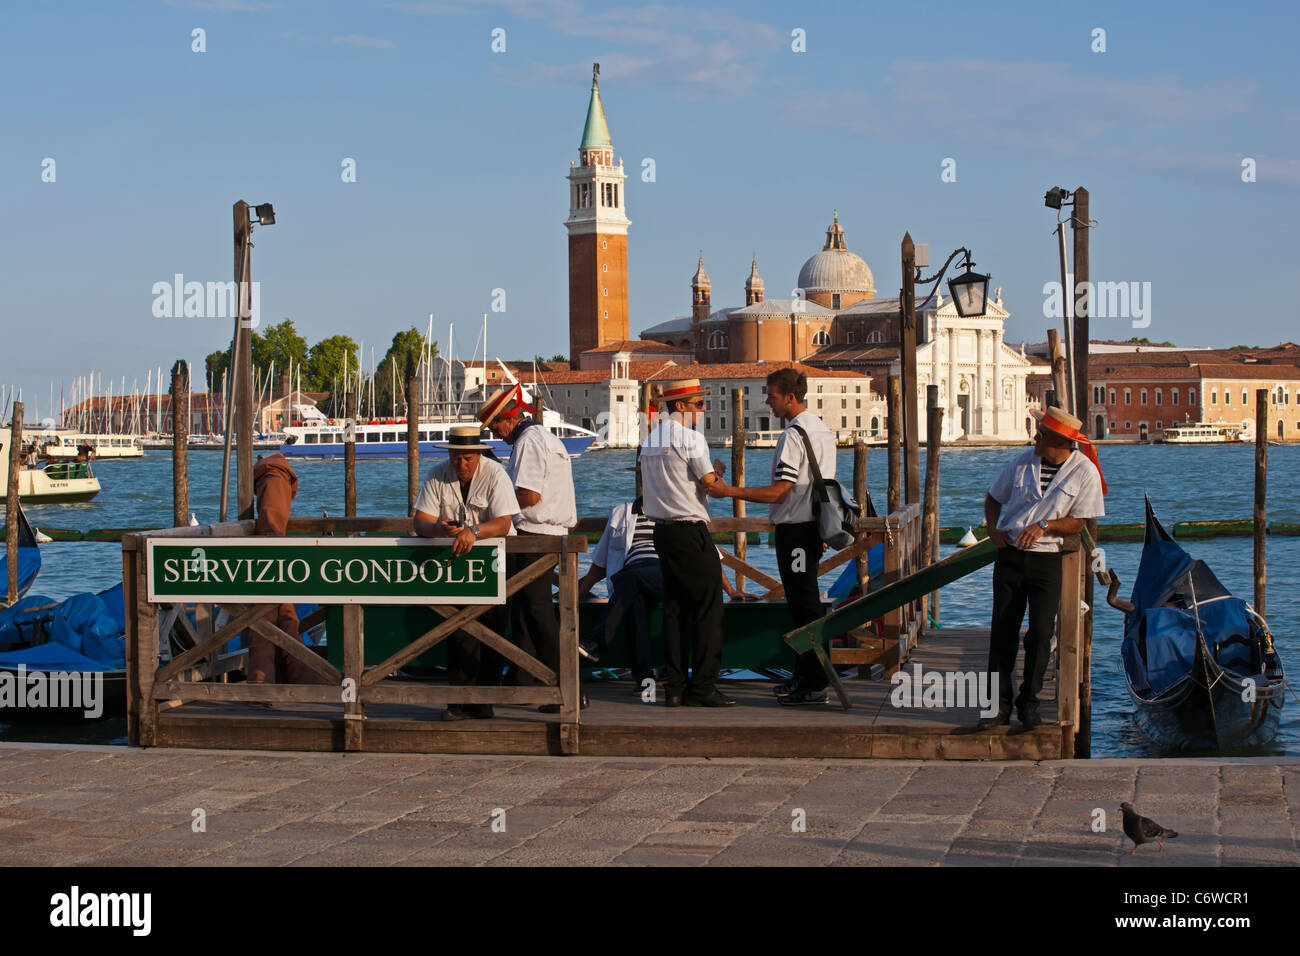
(461,155)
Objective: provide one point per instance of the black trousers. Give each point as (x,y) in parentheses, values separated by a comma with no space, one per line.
(534,620)
(472,662)
(636,590)
(692,605)
(798,549)
(1020,578)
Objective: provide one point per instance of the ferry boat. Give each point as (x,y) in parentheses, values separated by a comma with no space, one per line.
(56,483)
(1208,433)
(321,437)
(63,445)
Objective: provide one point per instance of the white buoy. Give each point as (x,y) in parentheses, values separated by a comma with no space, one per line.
(968,538)
(194,522)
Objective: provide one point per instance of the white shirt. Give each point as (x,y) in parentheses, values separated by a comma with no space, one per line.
(611,551)
(538,462)
(490,494)
(673,459)
(790,463)
(1075,492)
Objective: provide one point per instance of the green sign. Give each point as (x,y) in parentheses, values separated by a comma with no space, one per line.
(326,570)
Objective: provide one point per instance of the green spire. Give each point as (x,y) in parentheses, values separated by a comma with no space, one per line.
(595,135)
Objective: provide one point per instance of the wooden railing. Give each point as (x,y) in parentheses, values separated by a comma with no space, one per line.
(152,684)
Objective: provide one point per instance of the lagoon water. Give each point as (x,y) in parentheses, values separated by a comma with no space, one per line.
(1187,483)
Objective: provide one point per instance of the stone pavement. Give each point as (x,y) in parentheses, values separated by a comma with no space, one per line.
(64,805)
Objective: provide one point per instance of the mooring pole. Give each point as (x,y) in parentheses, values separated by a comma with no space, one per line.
(860,496)
(180,446)
(1261,494)
(412,443)
(11,499)
(930,512)
(894,411)
(907,346)
(1082,410)
(350,458)
(243,381)
(738,473)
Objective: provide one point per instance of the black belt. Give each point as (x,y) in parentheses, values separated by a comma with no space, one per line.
(668,521)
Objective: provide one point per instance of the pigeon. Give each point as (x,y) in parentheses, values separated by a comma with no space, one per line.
(1143,830)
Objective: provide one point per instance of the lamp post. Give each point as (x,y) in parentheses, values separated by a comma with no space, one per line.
(240,392)
(970,297)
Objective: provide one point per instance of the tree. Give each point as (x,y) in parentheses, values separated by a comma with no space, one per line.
(558,358)
(280,344)
(215,365)
(324,369)
(400,364)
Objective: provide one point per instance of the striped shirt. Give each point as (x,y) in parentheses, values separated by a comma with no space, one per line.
(642,546)
(1047,473)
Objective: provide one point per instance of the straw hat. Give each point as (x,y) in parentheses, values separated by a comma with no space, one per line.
(1060,421)
(495,406)
(464,438)
(681,389)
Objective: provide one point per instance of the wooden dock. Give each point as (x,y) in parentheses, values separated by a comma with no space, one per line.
(619,723)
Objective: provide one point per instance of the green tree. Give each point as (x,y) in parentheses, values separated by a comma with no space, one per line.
(400,364)
(215,365)
(280,344)
(324,367)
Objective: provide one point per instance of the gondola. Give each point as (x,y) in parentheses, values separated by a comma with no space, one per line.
(29,558)
(1199,662)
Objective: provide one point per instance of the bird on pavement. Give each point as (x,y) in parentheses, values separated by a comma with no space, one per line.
(1141,830)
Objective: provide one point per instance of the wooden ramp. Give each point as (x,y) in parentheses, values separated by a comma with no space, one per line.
(619,723)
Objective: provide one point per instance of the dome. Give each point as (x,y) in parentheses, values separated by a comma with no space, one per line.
(835,269)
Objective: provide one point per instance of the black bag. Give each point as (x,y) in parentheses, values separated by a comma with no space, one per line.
(834,509)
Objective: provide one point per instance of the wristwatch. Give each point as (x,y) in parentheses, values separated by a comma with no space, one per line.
(1043,525)
(475,530)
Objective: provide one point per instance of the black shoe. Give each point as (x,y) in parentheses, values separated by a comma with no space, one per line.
(804,695)
(555,708)
(455,712)
(1001,719)
(590,650)
(786,687)
(1030,720)
(480,711)
(712,699)
(673,700)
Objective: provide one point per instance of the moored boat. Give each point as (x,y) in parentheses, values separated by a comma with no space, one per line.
(1208,433)
(59,444)
(55,483)
(1199,662)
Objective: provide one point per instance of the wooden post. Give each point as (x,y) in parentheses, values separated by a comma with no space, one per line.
(893,409)
(570,688)
(11,499)
(911,441)
(350,461)
(354,626)
(860,495)
(1083,390)
(180,448)
(1057,357)
(1261,497)
(412,443)
(243,392)
(738,472)
(146,642)
(1067,687)
(930,513)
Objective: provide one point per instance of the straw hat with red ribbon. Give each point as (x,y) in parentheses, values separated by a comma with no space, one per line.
(1061,422)
(680,390)
(498,406)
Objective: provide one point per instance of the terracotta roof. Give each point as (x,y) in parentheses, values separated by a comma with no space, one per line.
(1133,373)
(636,345)
(1271,372)
(754,370)
(594,376)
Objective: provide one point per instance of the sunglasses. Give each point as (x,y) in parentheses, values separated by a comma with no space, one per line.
(698,403)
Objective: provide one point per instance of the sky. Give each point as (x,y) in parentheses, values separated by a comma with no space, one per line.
(125,147)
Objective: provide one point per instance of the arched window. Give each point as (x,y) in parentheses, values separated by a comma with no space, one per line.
(821,338)
(876,336)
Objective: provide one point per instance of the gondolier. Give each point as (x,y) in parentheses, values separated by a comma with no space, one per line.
(798,543)
(675,470)
(467,497)
(540,471)
(1047,492)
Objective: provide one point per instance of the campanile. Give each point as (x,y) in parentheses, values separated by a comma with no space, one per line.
(597,229)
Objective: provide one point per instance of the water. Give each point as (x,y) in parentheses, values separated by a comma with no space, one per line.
(1187,483)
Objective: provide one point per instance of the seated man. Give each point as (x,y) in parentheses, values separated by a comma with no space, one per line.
(468,497)
(626,555)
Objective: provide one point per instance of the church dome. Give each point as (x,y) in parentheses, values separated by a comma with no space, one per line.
(835,269)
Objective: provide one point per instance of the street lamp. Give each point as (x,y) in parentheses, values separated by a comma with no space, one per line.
(969,291)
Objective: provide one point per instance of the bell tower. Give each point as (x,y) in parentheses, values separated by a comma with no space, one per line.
(597,229)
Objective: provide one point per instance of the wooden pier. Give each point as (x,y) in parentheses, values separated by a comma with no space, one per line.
(185,701)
